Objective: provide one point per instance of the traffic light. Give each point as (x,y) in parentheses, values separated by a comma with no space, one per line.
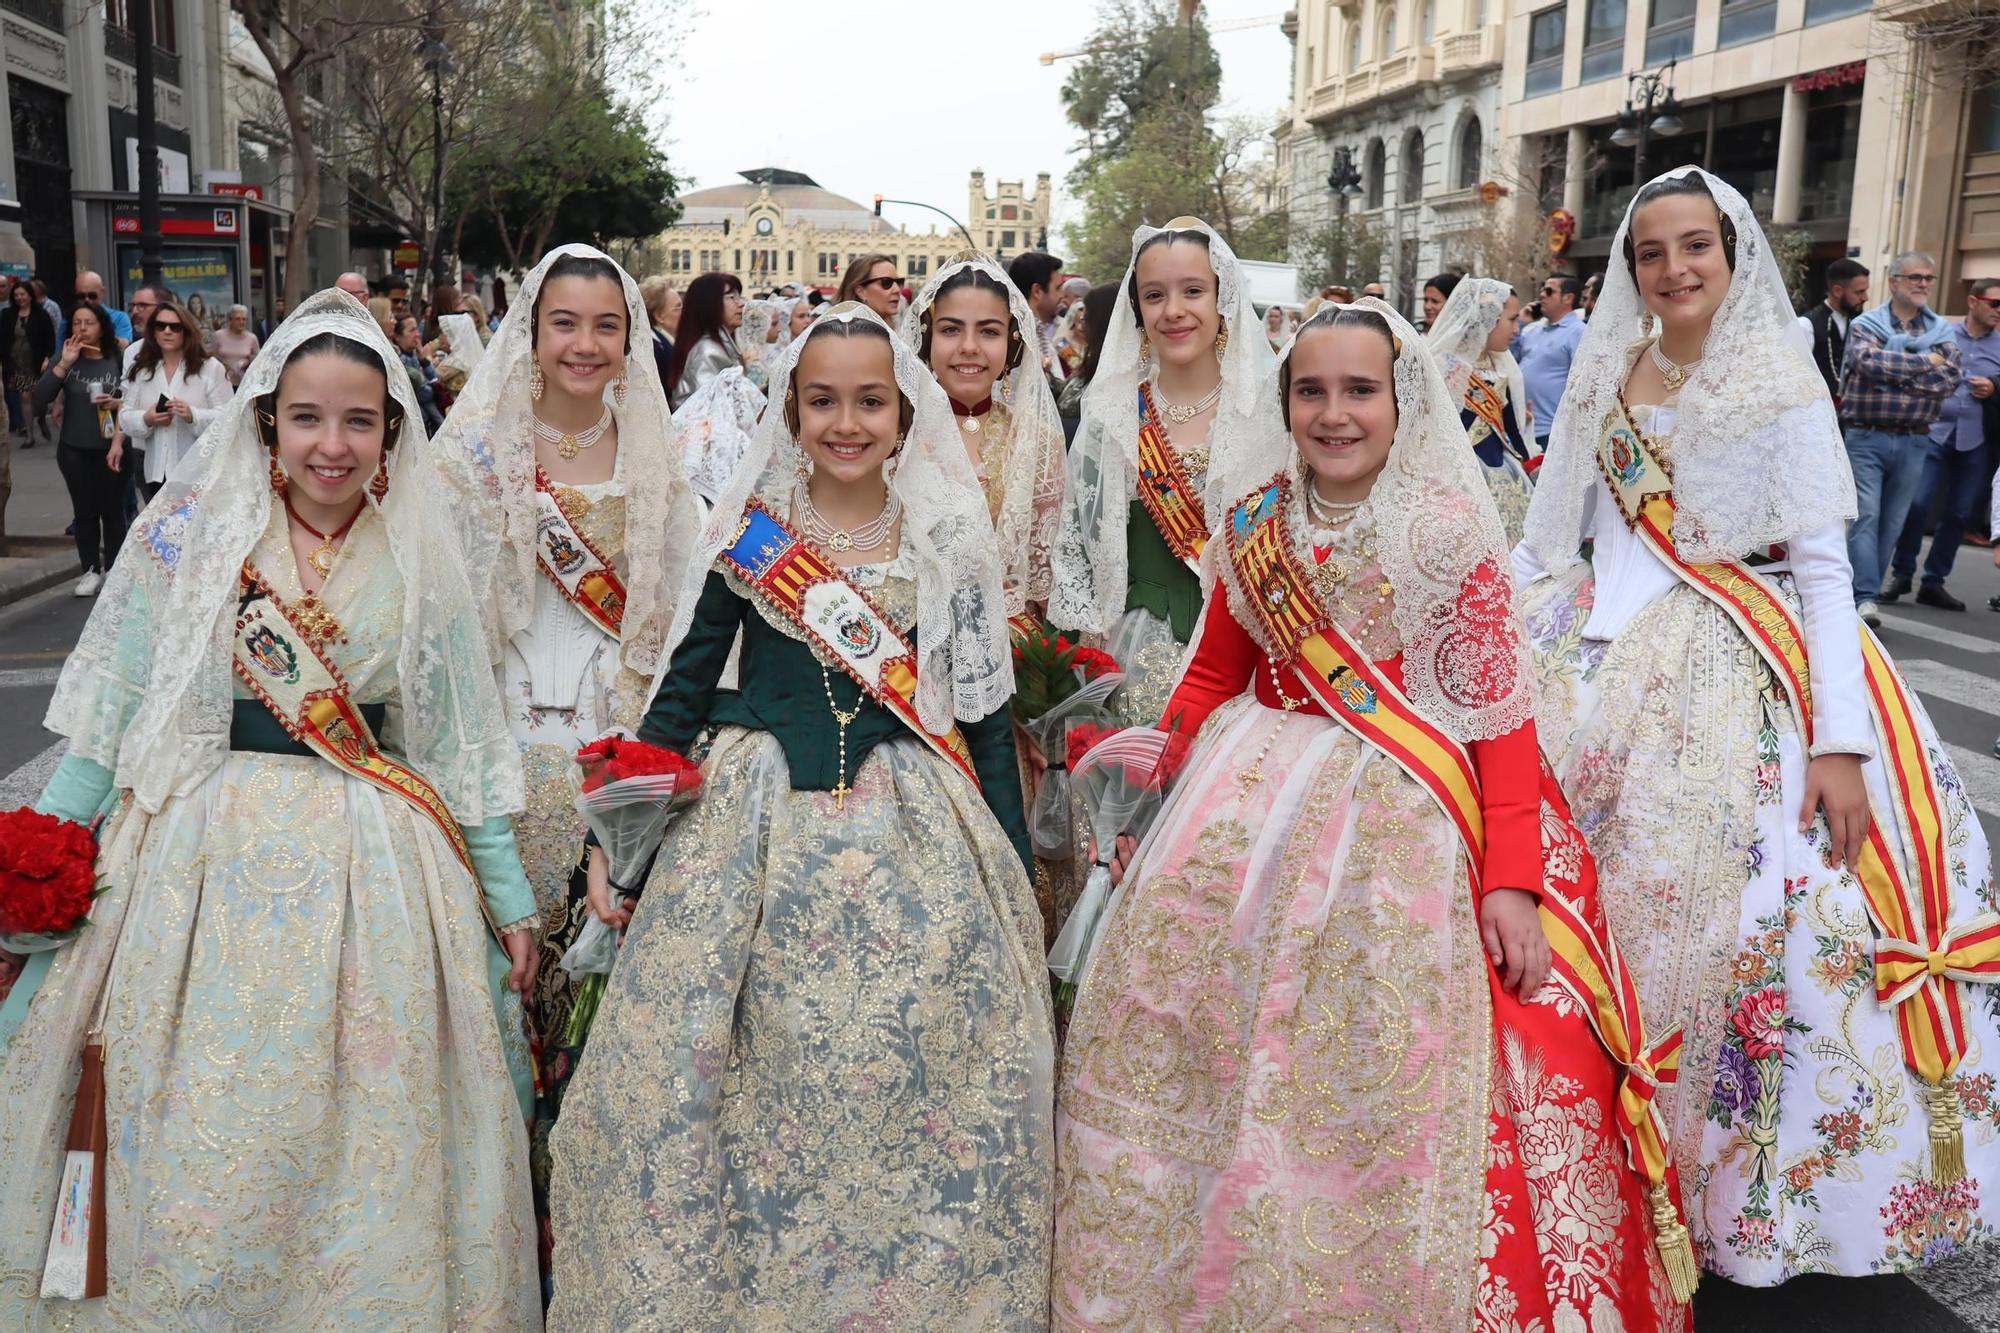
(878,205)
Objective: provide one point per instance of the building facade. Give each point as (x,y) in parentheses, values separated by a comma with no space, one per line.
(777,226)
(1807,107)
(1409,93)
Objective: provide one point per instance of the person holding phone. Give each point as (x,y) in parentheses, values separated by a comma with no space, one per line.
(86,375)
(176,388)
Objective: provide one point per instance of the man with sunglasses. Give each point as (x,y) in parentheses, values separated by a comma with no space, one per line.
(1956,465)
(1900,367)
(1545,351)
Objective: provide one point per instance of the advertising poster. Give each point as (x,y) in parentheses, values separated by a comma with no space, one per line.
(203,276)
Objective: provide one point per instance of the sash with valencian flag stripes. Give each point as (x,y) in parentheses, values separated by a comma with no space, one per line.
(1920,955)
(1488,406)
(1165,490)
(815,594)
(576,567)
(1584,959)
(281,662)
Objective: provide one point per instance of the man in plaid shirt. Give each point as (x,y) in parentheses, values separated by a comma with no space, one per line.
(1900,367)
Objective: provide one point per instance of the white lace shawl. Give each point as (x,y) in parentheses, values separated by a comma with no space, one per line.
(714,427)
(1754,370)
(158,644)
(1030,459)
(489,443)
(1463,326)
(1439,538)
(1090,567)
(965,661)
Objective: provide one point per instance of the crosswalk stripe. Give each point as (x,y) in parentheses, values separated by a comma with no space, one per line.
(26,676)
(1951,638)
(1967,689)
(25,783)
(1981,775)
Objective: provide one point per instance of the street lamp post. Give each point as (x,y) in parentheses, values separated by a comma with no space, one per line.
(1650,108)
(148,183)
(1344,182)
(436,57)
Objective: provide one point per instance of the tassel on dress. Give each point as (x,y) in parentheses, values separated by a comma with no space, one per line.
(1947,1133)
(1676,1247)
(76,1268)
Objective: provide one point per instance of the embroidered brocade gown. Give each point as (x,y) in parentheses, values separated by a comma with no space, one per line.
(1802,1140)
(1503,453)
(310,1115)
(1293,1094)
(818,1092)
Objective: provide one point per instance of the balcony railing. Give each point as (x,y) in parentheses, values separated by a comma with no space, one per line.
(1407,68)
(48,13)
(1470,50)
(118,44)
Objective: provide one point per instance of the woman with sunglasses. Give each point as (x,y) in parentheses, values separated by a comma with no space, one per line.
(873,281)
(175,389)
(705,341)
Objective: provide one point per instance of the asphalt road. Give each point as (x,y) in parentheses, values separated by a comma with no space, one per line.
(1952,659)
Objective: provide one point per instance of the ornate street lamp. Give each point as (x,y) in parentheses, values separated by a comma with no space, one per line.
(1344,181)
(1650,109)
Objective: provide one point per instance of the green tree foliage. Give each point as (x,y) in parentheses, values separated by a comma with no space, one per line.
(1348,251)
(592,175)
(1142,62)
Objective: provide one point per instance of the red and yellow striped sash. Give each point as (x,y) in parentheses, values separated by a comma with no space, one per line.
(1921,957)
(1487,404)
(573,563)
(286,669)
(813,593)
(1165,490)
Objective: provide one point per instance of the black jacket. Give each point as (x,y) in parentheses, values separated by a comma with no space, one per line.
(1829,345)
(41,333)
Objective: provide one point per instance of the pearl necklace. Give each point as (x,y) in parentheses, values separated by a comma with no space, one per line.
(1674,373)
(1182,413)
(864,537)
(568,445)
(1326,513)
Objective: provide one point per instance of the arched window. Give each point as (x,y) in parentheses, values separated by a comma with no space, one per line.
(1428,24)
(1471,153)
(1378,167)
(1353,45)
(1385,41)
(1410,188)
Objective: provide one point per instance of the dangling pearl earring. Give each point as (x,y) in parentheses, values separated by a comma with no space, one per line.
(1145,356)
(378,485)
(536,384)
(1222,340)
(802,466)
(618,391)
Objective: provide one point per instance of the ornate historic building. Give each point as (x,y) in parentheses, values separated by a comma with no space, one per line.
(778,226)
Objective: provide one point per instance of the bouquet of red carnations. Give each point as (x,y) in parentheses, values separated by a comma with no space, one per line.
(1057,684)
(1124,776)
(48,879)
(630,790)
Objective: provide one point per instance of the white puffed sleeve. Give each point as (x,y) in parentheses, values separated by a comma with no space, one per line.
(1825,580)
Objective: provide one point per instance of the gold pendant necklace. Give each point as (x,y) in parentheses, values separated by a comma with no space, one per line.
(1182,413)
(1672,373)
(321,557)
(569,445)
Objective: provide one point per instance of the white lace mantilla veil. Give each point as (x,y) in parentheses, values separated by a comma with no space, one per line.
(1463,326)
(466,350)
(758,317)
(1757,452)
(489,442)
(175,588)
(1465,654)
(1090,559)
(965,662)
(1035,444)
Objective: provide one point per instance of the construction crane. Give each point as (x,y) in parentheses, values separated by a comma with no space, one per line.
(1232,25)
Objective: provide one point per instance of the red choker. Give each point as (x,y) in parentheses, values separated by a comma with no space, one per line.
(979,409)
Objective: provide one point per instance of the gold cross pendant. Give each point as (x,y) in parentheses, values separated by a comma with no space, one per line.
(840,791)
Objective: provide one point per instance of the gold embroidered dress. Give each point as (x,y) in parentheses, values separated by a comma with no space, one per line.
(311,1120)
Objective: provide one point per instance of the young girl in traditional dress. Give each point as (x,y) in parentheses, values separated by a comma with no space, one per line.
(1314,1079)
(1787,854)
(564,433)
(972,327)
(1176,391)
(818,1091)
(1469,338)
(284,700)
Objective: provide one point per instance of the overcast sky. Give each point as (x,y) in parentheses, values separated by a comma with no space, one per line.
(905,97)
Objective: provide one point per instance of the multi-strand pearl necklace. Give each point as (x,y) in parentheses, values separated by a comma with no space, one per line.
(568,445)
(864,537)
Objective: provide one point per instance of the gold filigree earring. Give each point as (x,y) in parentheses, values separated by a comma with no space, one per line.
(1222,340)
(378,485)
(1145,355)
(536,384)
(802,466)
(618,391)
(278,479)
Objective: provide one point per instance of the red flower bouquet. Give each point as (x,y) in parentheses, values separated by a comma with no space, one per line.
(1124,775)
(48,878)
(1057,685)
(630,790)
